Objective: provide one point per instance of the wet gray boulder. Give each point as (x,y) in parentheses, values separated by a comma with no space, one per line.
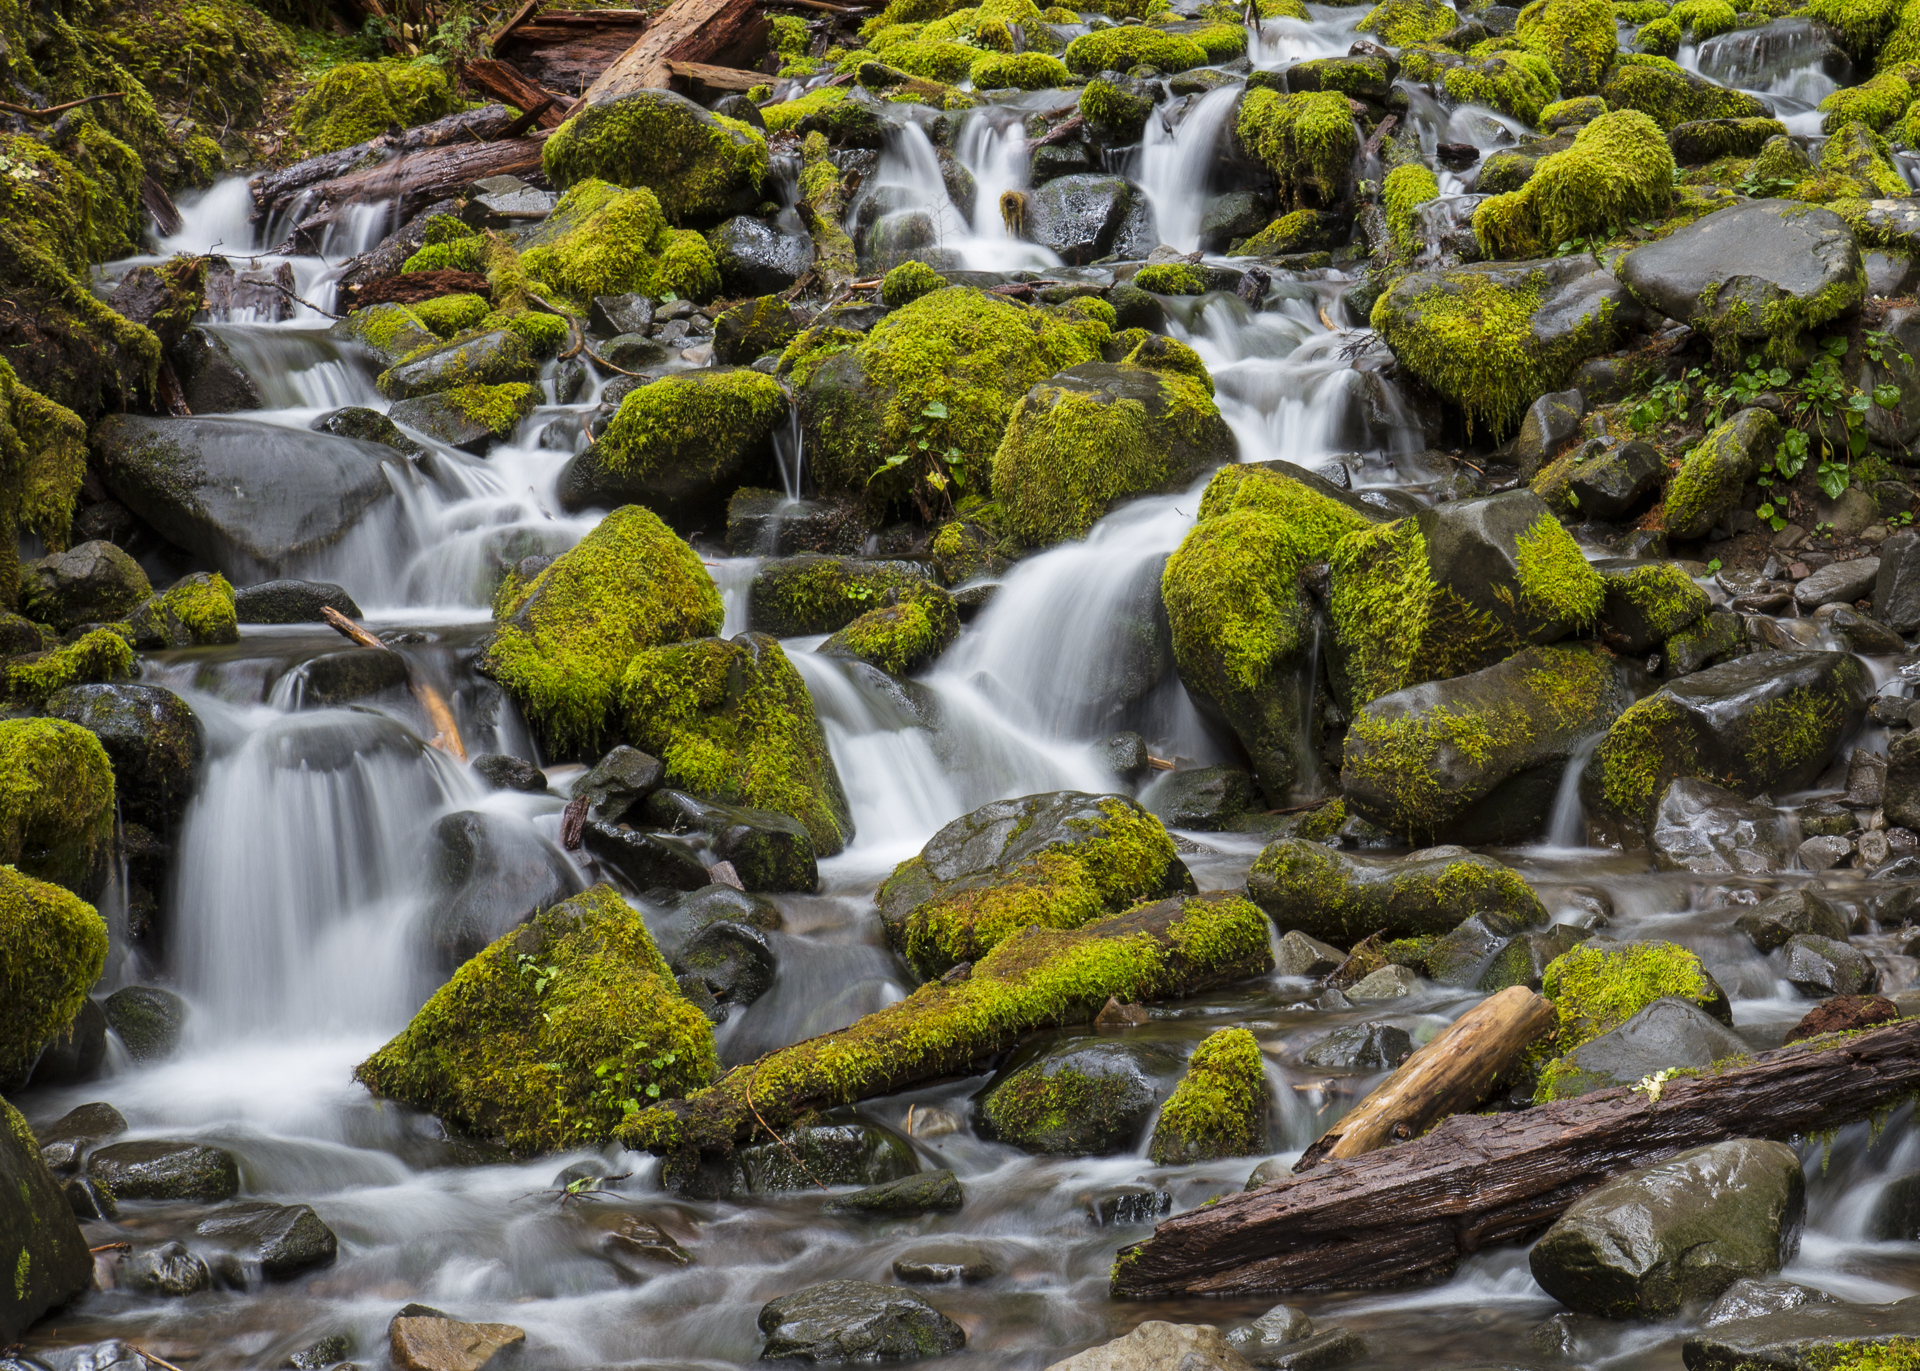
(77,1051)
(925,1193)
(491,359)
(612,315)
(1821,967)
(757,260)
(1652,1241)
(1896,590)
(1365,1046)
(292,602)
(1670,1032)
(148,1019)
(1838,583)
(47,1255)
(1705,828)
(1087,217)
(1328,894)
(93,583)
(64,1141)
(1460,956)
(769,851)
(441,419)
(1750,1299)
(1549,422)
(1648,602)
(1300,955)
(1079,1097)
(1896,1213)
(351,674)
(282,1239)
(168,1270)
(502,772)
(1233,215)
(489,873)
(1525,957)
(159,1169)
(644,861)
(633,352)
(732,960)
(826,1154)
(1728,274)
(368,426)
(1800,910)
(249,497)
(855,1321)
(939,1263)
(1812,1336)
(1205,799)
(152,737)
(1900,790)
(211,380)
(1281,1329)
(618,782)
(1615,478)
(1388,983)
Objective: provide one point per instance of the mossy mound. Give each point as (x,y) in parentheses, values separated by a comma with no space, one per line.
(1327,894)
(901,637)
(218,59)
(733,722)
(357,101)
(1619,171)
(101,656)
(1128,46)
(1171,278)
(1671,97)
(602,240)
(1307,141)
(52,948)
(1044,861)
(1401,22)
(1219,1109)
(1649,602)
(553,1036)
(1600,984)
(1577,37)
(1406,188)
(56,802)
(908,282)
(389,331)
(566,637)
(830,110)
(1878,103)
(1520,84)
(1022,71)
(1713,475)
(792,597)
(446,315)
(195,611)
(701,167)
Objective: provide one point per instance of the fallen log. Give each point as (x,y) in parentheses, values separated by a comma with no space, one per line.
(1039,978)
(698,74)
(686,31)
(503,81)
(447,732)
(273,190)
(1451,1074)
(417,179)
(1408,1214)
(412,287)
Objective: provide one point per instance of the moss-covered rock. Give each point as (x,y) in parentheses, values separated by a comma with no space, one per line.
(1648,602)
(1022,71)
(1307,141)
(1478,758)
(389,331)
(1600,984)
(1078,1097)
(356,101)
(603,240)
(1406,188)
(1713,476)
(1327,894)
(1403,22)
(733,722)
(1047,861)
(1113,112)
(1219,1109)
(1577,37)
(56,803)
(41,1244)
(94,583)
(52,948)
(218,59)
(835,111)
(1171,278)
(1766,722)
(908,282)
(195,611)
(102,655)
(495,358)
(793,597)
(471,418)
(752,330)
(565,637)
(152,739)
(552,1036)
(1128,46)
(1618,171)
(701,166)
(918,625)
(1520,84)
(1671,97)
(681,445)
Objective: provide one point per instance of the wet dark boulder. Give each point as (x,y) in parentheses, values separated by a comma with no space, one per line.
(1079,1097)
(1701,827)
(1525,957)
(1091,216)
(65,1141)
(643,861)
(755,259)
(211,380)
(250,497)
(1801,910)
(1670,1032)
(292,602)
(618,783)
(46,1251)
(732,960)
(1299,955)
(93,583)
(861,1154)
(168,1270)
(491,359)
(942,1262)
(855,1321)
(367,426)
(612,315)
(1648,602)
(469,420)
(1205,799)
(282,1239)
(1896,591)
(152,737)
(489,873)
(158,1169)
(926,1193)
(1329,894)
(1813,1335)
(148,1020)
(351,674)
(1896,1213)
(751,330)
(1652,1241)
(77,1052)
(769,851)
(1749,1299)
(1365,1046)
(1829,966)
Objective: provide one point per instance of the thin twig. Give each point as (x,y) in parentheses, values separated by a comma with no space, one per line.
(160,1362)
(308,303)
(777,1138)
(29,112)
(111,1247)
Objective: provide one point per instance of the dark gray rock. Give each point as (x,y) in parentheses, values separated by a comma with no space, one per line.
(1720,635)
(1820,967)
(1087,217)
(1549,422)
(1900,790)
(507,206)
(93,583)
(1868,637)
(77,1052)
(64,1141)
(1206,799)
(634,351)
(367,426)
(827,1154)
(1327,1348)
(645,861)
(1129,1205)
(439,418)
(940,1263)
(1233,215)
(1460,956)
(769,851)
(158,1169)
(48,1257)
(1703,828)
(732,960)
(618,782)
(152,737)
(855,1321)
(1896,590)
(1300,955)
(1896,1213)
(292,602)
(169,1270)
(211,381)
(1670,1032)
(1802,909)
(1807,1338)
(489,873)
(1360,1047)
(148,1019)
(757,260)
(490,359)
(612,315)
(1279,1330)
(1616,478)
(1126,756)
(284,1239)
(502,772)
(341,678)
(1838,582)
(927,1192)
(1656,1239)
(1080,1097)
(1136,308)
(1750,1299)
(765,523)
(717,903)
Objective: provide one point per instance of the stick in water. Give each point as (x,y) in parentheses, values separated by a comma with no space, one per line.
(447,738)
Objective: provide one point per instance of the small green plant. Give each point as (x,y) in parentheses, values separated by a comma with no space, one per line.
(1900,520)
(1713,565)
(542,975)
(1757,187)
(941,470)
(621,1087)
(1664,400)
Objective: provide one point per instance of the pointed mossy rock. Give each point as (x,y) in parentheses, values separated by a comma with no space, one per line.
(901,637)
(195,611)
(52,946)
(1714,475)
(1601,984)
(793,597)
(603,240)
(1579,39)
(1078,1096)
(101,656)
(44,1254)
(1053,861)
(701,166)
(56,802)
(733,721)
(552,1035)
(565,638)
(1219,1109)
(1327,894)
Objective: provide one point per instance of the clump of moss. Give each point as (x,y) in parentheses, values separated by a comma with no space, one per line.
(544,334)
(812,593)
(1618,171)
(1025,71)
(1406,188)
(901,637)
(1578,38)
(1327,894)
(1219,1109)
(1863,25)
(1401,22)
(1517,83)
(602,240)
(447,315)
(695,419)
(564,644)
(390,331)
(732,721)
(195,611)
(1112,112)
(52,948)
(499,409)
(1661,37)
(1128,46)
(1878,103)
(220,59)
(101,656)
(830,110)
(357,101)
(43,459)
(1307,141)
(1856,162)
(1715,471)
(699,166)
(1172,278)
(453,254)
(933,60)
(908,282)
(554,1036)
(1704,19)
(1301,231)
(56,802)
(1671,97)
(1598,986)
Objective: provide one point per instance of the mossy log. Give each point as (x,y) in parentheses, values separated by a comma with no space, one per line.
(1408,1214)
(1039,978)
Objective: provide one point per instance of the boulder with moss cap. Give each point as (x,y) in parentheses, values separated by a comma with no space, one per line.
(915,626)
(56,802)
(40,1239)
(1307,141)
(1619,169)
(605,240)
(1219,1109)
(1053,861)
(471,418)
(52,948)
(545,1040)
(1124,47)
(701,166)
(1327,894)
(814,593)
(100,656)
(358,101)
(195,611)
(1648,602)
(1578,38)
(1670,97)
(1713,476)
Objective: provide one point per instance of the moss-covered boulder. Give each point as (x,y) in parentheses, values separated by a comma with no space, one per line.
(1671,97)
(1598,986)
(471,418)
(1307,141)
(1713,476)
(701,166)
(1327,894)
(846,117)
(1648,602)
(195,611)
(1519,84)
(153,741)
(389,331)
(1669,1033)
(1219,1109)
(1494,336)
(56,802)
(754,329)
(1242,625)
(1478,758)
(1405,22)
(681,445)
(1577,37)
(1125,47)
(1454,589)
(100,656)
(1050,861)
(94,583)
(1079,1097)
(566,636)
(793,597)
(356,101)
(41,1244)
(1618,170)
(1767,722)
(553,1035)
(52,948)
(495,358)
(916,626)
(1098,433)
(732,721)
(604,240)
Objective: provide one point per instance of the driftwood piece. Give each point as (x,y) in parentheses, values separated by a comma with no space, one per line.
(1454,1072)
(503,81)
(420,178)
(456,134)
(701,74)
(1407,1214)
(686,31)
(410,288)
(447,731)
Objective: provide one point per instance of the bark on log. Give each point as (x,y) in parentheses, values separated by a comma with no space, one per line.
(686,31)
(456,134)
(419,178)
(501,80)
(1451,1074)
(1040,978)
(1409,1213)
(695,74)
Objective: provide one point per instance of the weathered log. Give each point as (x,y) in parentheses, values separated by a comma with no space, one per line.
(273,190)
(686,31)
(701,74)
(414,286)
(1454,1072)
(503,81)
(1409,1213)
(1039,978)
(419,178)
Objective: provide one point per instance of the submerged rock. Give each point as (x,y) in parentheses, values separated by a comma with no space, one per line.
(1801,910)
(284,1239)
(1155,1344)
(834,1154)
(855,1321)
(1813,1334)
(930,1191)
(148,1020)
(1328,894)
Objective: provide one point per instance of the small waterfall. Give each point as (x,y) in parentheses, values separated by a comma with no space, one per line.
(790,451)
(1567,824)
(1174,165)
(299,368)
(993,146)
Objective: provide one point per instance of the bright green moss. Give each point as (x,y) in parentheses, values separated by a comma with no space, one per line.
(1300,231)
(1577,38)
(828,108)
(1618,171)
(1661,595)
(1856,162)
(43,461)
(1219,1109)
(553,1037)
(602,240)
(499,409)
(1129,46)
(1400,22)
(1107,107)
(447,315)
(902,637)
(1877,103)
(1671,97)
(933,60)
(196,610)
(1902,46)
(1517,83)
(56,801)
(357,101)
(1406,188)
(102,655)
(1704,19)
(1307,141)
(52,948)
(1713,474)
(392,330)
(1556,580)
(1325,894)
(1595,989)
(1639,11)
(1893,1354)
(732,721)
(562,651)
(1863,24)
(1026,71)
(699,166)
(690,422)
(1642,750)
(458,254)
(1661,37)
(1221,42)
(790,35)
(1172,278)
(908,282)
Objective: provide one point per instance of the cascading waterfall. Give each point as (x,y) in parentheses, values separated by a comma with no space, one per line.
(1174,165)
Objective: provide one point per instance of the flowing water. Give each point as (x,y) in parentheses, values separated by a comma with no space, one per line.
(300,890)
